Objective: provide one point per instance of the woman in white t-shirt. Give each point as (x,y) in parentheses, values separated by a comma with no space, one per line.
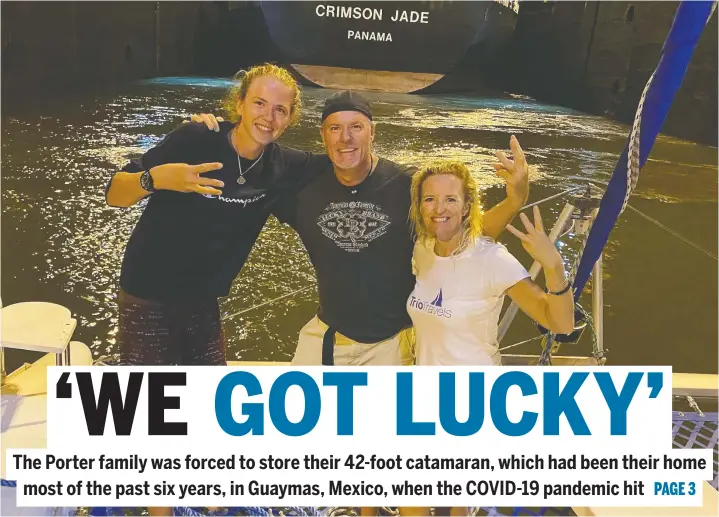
(462,277)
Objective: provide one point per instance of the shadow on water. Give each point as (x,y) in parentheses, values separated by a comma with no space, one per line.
(61,243)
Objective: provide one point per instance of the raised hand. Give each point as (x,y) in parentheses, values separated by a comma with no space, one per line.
(212,122)
(514,171)
(182,177)
(536,242)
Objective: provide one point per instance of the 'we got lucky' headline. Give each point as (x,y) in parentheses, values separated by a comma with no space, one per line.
(379,436)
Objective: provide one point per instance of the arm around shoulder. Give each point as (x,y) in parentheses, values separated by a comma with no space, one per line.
(300,167)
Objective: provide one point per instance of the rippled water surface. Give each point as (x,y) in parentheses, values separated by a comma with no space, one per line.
(61,243)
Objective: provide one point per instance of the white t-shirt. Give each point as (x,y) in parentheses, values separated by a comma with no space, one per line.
(456,303)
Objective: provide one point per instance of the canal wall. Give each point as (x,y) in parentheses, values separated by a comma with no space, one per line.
(592,56)
(51,46)
(598,56)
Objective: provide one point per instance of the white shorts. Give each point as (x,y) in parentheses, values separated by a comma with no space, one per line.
(395,351)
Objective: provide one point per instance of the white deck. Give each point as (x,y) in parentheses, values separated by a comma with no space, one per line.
(24,402)
(24,419)
(37,326)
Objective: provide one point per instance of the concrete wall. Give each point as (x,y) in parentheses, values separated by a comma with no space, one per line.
(598,56)
(239,40)
(593,56)
(73,44)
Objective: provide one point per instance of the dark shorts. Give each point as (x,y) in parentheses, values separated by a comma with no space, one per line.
(155,334)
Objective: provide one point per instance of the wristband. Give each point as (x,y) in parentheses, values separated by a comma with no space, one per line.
(559,293)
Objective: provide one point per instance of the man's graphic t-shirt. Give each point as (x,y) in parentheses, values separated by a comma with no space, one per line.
(360,242)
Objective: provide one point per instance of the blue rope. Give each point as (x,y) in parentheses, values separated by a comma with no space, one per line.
(689,22)
(545,358)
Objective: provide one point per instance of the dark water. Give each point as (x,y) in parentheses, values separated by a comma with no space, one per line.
(62,244)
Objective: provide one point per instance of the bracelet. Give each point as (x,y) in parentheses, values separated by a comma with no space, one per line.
(559,293)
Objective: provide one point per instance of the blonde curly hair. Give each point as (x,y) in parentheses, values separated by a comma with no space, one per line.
(243,79)
(471,223)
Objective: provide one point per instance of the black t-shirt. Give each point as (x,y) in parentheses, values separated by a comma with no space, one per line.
(189,247)
(359,240)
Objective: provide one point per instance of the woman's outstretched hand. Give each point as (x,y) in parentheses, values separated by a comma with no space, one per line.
(536,242)
(182,177)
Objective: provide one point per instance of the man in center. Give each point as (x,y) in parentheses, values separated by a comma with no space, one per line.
(353,220)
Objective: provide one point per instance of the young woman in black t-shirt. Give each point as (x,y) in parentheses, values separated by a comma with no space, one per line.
(208,196)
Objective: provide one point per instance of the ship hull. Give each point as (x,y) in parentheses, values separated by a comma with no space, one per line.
(421,37)
(381,46)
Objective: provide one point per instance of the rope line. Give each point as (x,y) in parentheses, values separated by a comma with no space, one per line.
(530,205)
(673,232)
(267,302)
(521,343)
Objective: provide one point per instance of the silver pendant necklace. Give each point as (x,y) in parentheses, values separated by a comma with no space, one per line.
(241,180)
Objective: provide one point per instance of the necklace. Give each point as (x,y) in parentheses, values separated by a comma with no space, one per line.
(369,173)
(241,180)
